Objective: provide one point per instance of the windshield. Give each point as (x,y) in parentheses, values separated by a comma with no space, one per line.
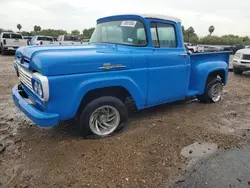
(126,32)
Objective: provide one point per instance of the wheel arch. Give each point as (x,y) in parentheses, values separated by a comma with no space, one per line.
(117,87)
(210,70)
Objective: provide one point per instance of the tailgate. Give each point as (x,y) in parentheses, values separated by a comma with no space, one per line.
(204,63)
(198,58)
(15,42)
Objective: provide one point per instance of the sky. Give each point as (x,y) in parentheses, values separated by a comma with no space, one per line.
(227,16)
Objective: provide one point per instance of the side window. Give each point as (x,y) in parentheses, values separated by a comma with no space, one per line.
(141,36)
(165,34)
(153,31)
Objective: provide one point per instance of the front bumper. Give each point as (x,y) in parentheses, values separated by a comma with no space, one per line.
(40,118)
(241,66)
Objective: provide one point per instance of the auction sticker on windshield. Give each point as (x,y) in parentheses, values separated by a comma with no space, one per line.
(128,23)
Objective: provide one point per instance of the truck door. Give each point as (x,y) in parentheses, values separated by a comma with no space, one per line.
(168,66)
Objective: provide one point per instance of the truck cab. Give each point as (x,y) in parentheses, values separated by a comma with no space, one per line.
(42,40)
(137,56)
(69,40)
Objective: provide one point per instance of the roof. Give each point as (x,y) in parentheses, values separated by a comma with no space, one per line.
(161,17)
(154,16)
(43,36)
(244,51)
(9,32)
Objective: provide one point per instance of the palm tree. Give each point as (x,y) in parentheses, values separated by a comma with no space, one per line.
(37,28)
(189,32)
(19,27)
(211,29)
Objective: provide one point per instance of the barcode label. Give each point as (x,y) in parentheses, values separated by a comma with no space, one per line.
(128,23)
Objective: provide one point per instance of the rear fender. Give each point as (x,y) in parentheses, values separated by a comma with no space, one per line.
(203,70)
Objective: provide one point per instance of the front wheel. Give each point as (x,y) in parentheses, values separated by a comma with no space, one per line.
(213,92)
(102,117)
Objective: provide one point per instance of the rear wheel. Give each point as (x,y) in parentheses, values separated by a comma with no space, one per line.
(213,92)
(3,51)
(102,117)
(237,71)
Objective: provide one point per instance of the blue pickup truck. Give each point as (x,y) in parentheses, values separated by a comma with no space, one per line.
(137,56)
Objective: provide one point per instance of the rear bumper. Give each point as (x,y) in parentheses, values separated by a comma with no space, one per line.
(10,48)
(40,118)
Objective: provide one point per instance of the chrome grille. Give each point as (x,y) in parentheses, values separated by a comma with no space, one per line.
(25,77)
(246,57)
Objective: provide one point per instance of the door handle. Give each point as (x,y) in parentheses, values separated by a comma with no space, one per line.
(183,55)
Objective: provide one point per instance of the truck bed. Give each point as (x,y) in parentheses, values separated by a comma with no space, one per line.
(200,63)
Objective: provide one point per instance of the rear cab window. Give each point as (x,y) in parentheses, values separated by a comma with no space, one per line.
(163,35)
(71,38)
(16,36)
(45,38)
(6,36)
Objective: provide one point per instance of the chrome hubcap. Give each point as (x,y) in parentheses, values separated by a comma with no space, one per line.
(104,120)
(216,92)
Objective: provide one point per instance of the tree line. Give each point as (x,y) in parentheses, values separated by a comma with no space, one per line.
(189,35)
(37,30)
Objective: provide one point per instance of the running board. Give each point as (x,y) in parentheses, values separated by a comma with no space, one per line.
(192,93)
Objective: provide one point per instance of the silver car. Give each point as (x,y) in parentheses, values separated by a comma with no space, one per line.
(241,61)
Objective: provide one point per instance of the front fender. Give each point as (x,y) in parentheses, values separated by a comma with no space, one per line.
(135,91)
(67,92)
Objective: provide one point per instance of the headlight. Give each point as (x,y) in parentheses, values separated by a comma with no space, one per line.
(40,86)
(37,87)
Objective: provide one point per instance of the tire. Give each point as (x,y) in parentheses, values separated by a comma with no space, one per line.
(95,110)
(237,71)
(3,51)
(212,85)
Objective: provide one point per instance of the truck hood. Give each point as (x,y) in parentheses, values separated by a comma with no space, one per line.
(72,59)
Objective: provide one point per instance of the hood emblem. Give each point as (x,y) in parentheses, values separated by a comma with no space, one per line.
(108,66)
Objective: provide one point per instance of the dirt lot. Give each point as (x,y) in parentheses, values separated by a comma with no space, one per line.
(145,154)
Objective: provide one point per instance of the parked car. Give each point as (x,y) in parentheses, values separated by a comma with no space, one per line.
(27,37)
(69,39)
(235,48)
(212,49)
(194,48)
(90,83)
(55,39)
(241,61)
(11,41)
(42,40)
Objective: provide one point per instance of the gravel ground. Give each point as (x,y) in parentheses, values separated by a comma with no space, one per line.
(145,154)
